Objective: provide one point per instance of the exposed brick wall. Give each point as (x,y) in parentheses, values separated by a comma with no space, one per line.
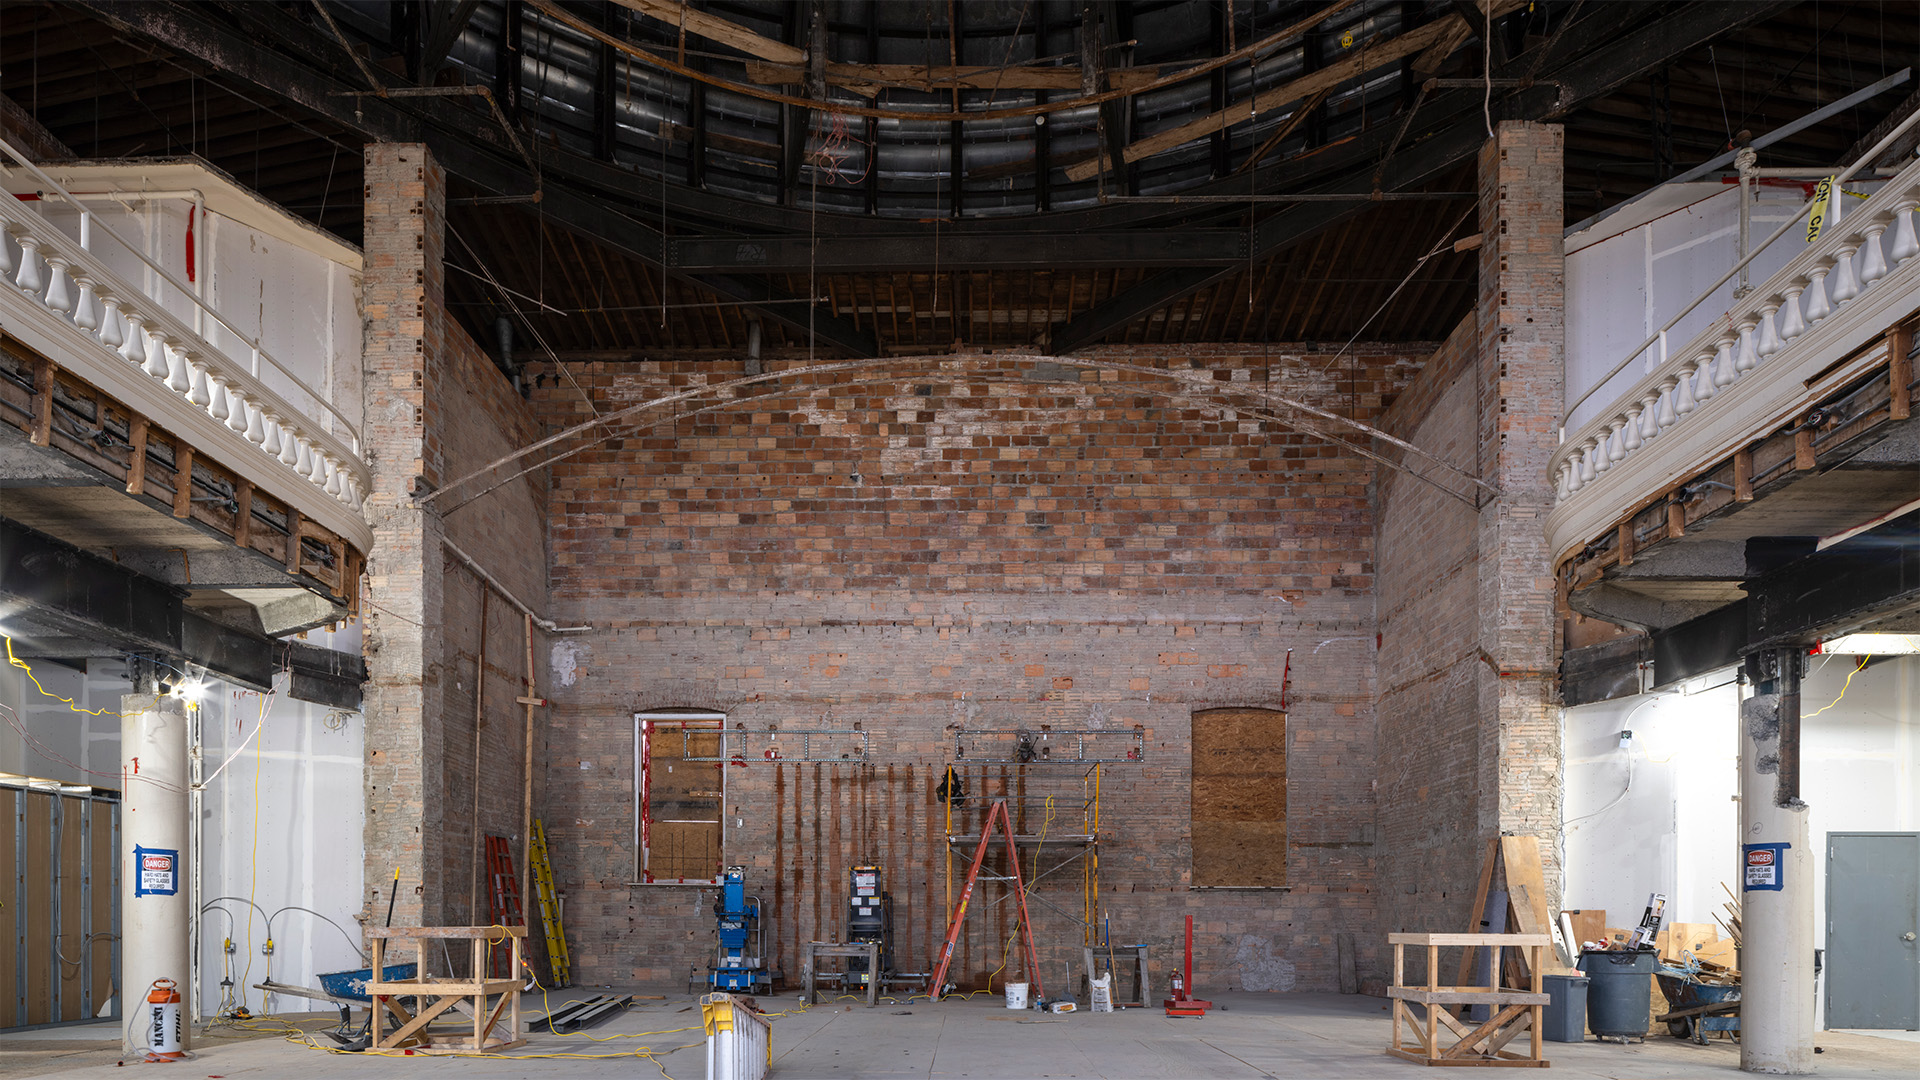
(996,479)
(1430,784)
(402,357)
(1015,552)
(505,533)
(1469,740)
(436,407)
(1523,334)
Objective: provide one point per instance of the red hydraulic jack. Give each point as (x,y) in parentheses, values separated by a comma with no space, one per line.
(1182,1003)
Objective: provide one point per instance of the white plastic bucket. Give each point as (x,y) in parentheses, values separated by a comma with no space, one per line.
(1016,995)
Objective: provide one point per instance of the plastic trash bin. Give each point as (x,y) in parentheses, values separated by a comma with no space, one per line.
(1619,993)
(1565,1019)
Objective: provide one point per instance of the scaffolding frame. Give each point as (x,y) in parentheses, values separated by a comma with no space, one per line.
(1084,845)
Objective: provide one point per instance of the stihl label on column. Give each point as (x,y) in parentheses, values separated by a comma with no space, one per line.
(1764,869)
(156,871)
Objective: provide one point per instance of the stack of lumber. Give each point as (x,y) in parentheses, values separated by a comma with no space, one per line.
(1731,923)
(1699,945)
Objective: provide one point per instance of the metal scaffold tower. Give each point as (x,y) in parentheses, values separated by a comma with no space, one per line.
(1053,801)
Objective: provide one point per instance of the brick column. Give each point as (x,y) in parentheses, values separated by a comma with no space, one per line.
(405,327)
(1522,323)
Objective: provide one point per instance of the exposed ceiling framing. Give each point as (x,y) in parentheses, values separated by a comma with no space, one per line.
(691,182)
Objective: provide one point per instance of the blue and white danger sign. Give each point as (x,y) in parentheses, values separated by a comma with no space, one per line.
(156,871)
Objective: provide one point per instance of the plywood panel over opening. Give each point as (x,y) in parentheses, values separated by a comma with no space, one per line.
(682,801)
(1239,797)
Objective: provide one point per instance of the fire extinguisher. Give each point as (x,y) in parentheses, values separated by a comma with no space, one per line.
(165,1035)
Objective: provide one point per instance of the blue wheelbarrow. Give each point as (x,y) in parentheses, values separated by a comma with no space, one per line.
(1696,1008)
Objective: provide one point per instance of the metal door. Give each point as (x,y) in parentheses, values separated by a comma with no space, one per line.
(1873,918)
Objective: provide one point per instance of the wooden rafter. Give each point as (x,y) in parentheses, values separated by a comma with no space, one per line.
(691,20)
(1364,59)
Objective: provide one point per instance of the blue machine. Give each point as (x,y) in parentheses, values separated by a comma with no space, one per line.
(740,967)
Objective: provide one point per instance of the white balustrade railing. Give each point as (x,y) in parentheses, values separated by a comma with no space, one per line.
(44,265)
(1852,257)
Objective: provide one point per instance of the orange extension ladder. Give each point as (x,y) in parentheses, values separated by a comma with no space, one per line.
(996,813)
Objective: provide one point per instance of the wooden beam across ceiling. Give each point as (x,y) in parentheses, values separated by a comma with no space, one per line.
(1574,68)
(715,29)
(1365,58)
(869,80)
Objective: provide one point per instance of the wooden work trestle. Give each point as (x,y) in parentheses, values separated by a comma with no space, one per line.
(1511,1012)
(436,995)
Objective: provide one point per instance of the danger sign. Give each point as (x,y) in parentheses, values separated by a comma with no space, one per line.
(1763,871)
(158,871)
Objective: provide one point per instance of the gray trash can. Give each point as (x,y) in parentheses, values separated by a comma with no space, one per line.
(1620,992)
(1565,1019)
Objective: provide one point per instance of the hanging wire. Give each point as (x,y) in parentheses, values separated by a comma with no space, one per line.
(1486,65)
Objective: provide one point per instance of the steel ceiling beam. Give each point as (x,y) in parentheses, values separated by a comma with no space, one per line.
(47,583)
(1575,68)
(1871,576)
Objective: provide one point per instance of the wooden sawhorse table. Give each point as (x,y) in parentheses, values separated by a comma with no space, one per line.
(437,995)
(1511,1012)
(870,950)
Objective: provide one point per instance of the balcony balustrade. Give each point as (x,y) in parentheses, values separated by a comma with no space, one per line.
(1795,339)
(72,307)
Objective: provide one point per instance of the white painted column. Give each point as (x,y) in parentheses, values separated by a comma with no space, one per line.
(1776,897)
(154,898)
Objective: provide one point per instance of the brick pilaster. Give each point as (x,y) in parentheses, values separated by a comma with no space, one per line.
(403,356)
(1522,324)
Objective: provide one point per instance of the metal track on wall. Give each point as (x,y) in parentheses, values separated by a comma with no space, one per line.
(63,904)
(776,744)
(1044,745)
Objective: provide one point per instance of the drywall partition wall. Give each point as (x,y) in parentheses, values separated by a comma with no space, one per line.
(1676,829)
(941,556)
(1672,829)
(55,740)
(1859,758)
(280,823)
(1629,274)
(59,876)
(280,830)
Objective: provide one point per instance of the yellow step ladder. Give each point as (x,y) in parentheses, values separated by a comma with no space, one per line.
(559,966)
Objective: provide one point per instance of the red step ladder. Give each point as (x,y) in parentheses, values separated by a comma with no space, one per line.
(996,813)
(503,902)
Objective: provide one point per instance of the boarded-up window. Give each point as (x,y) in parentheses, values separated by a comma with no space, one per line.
(681,786)
(1240,797)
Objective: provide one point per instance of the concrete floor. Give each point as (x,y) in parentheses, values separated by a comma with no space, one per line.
(1254,1037)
